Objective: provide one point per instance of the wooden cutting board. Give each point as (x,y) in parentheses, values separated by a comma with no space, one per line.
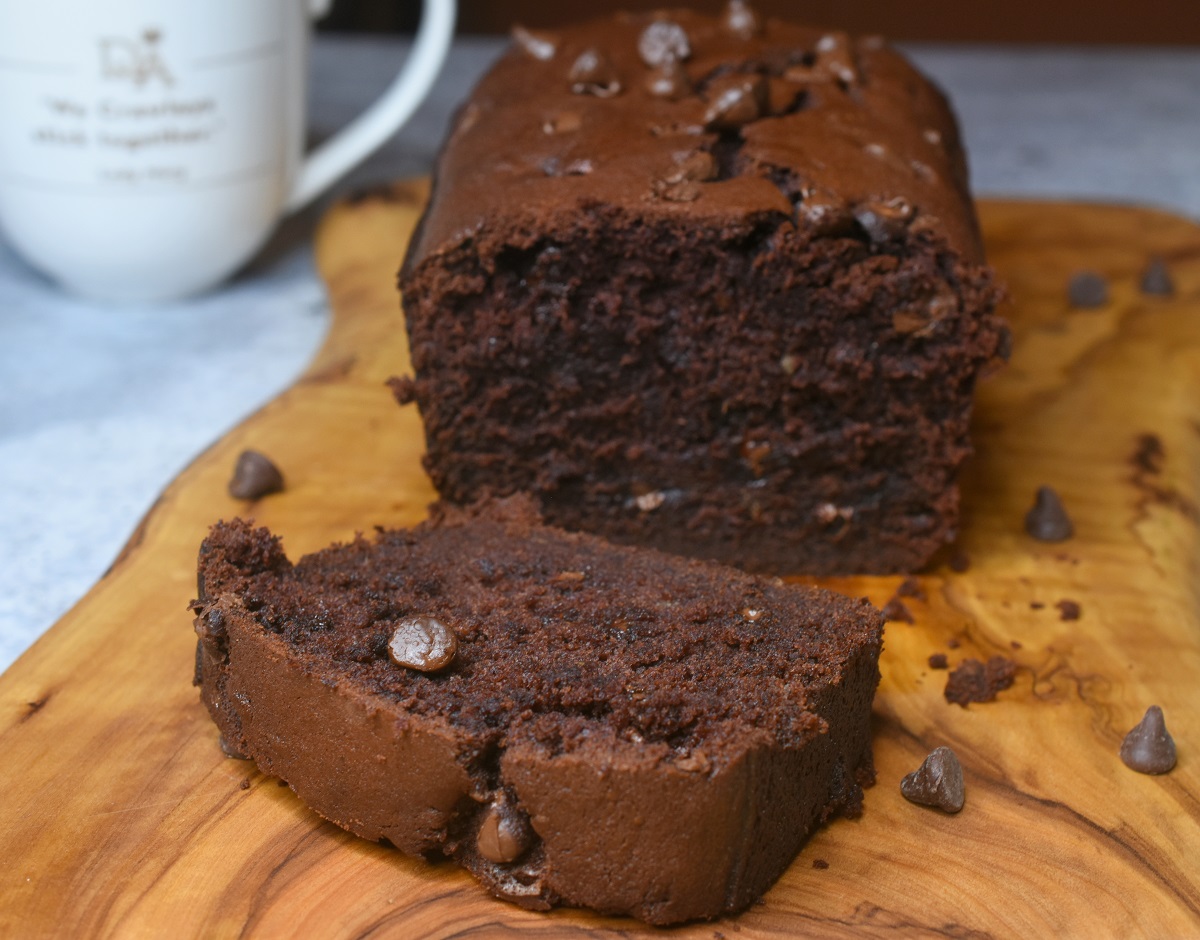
(120,817)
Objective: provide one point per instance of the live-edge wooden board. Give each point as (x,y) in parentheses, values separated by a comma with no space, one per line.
(119,816)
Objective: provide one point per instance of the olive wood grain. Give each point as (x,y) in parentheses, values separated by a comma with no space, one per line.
(121,818)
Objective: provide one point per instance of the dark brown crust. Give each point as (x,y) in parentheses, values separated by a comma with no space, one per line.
(686,821)
(754,344)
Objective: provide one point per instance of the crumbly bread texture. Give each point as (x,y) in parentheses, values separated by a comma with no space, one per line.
(618,728)
(709,284)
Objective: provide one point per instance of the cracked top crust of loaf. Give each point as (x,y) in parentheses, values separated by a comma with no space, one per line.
(838,127)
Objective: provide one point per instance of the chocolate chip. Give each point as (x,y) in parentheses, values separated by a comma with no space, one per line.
(1047,520)
(231,750)
(937,782)
(1156,279)
(734,100)
(423,643)
(694,762)
(1149,747)
(975,681)
(740,20)
(884,221)
(1087,289)
(504,835)
(593,74)
(662,41)
(895,610)
(254,476)
(538,45)
(1068,609)
(670,80)
(938,661)
(699,166)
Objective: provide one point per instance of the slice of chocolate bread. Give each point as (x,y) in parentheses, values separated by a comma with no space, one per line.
(711,284)
(577,722)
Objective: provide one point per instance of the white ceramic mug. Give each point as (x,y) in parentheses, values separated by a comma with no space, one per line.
(148,147)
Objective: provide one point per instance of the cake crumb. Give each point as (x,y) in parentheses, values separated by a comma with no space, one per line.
(938,661)
(1068,609)
(820,863)
(245,784)
(911,587)
(976,681)
(896,610)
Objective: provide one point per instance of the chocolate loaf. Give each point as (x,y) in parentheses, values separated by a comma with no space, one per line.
(713,285)
(574,722)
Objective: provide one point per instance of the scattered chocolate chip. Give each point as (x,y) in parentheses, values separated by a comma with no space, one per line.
(911,587)
(1047,520)
(938,661)
(937,782)
(670,80)
(1156,279)
(834,57)
(254,476)
(960,561)
(1149,747)
(536,44)
(734,100)
(593,74)
(820,864)
(504,835)
(883,221)
(245,784)
(975,681)
(895,610)
(423,643)
(1068,609)
(231,750)
(662,41)
(1087,289)
(740,20)
(564,122)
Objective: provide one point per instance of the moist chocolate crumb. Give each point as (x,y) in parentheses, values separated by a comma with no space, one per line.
(1156,279)
(1087,290)
(422,643)
(937,782)
(1047,520)
(960,561)
(1149,747)
(938,661)
(1068,609)
(896,610)
(975,681)
(911,587)
(254,476)
(820,864)
(245,784)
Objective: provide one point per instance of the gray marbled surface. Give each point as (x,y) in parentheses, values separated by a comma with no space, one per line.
(100,406)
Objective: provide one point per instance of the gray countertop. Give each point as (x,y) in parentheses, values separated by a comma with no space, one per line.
(101,406)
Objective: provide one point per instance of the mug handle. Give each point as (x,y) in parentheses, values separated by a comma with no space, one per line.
(336,156)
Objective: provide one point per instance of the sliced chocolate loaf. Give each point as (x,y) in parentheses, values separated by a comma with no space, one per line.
(573,721)
(709,284)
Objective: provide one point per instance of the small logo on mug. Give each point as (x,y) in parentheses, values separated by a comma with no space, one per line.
(136,60)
